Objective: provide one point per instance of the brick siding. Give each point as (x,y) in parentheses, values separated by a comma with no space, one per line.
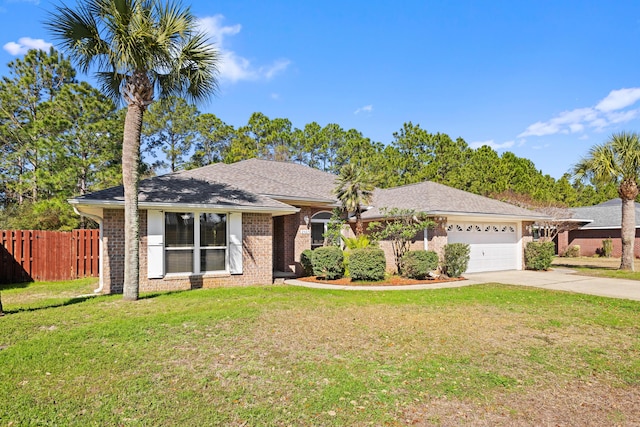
(257,253)
(590,241)
(297,238)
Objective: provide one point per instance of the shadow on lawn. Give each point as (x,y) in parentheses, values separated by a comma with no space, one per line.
(70,301)
(21,285)
(585,266)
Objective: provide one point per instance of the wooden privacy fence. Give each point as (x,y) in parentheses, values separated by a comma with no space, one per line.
(34,255)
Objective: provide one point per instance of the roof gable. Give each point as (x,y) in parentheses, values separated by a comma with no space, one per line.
(434,198)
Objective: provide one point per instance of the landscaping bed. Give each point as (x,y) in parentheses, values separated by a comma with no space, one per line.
(390,281)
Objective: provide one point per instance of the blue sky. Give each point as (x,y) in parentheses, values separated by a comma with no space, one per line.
(543,79)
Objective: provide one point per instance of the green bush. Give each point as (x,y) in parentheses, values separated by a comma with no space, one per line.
(571,252)
(456,259)
(607,248)
(417,264)
(367,264)
(538,255)
(328,262)
(306,260)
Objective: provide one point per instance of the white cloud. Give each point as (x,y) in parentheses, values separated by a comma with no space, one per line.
(618,99)
(24,44)
(609,111)
(234,67)
(365,109)
(275,96)
(492,144)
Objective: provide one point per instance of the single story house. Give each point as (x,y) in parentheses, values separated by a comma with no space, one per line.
(598,223)
(237,224)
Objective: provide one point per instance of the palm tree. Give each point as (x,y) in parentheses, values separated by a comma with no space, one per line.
(354,190)
(143,50)
(617,161)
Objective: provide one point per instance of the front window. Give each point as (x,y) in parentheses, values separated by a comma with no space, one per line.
(213,241)
(188,234)
(179,242)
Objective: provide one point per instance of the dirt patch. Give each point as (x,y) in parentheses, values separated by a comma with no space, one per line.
(578,403)
(391,281)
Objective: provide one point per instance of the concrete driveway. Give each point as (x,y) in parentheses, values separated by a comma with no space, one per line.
(562,279)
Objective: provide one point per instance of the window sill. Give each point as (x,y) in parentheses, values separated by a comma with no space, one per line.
(183,276)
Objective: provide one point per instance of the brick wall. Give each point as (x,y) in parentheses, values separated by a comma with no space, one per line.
(257,256)
(297,238)
(436,240)
(113,250)
(590,241)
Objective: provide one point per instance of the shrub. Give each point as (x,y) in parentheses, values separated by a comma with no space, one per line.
(306,260)
(328,262)
(456,259)
(538,255)
(367,264)
(607,248)
(359,242)
(418,264)
(571,252)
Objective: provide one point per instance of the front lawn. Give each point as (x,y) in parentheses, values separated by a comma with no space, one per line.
(598,267)
(278,355)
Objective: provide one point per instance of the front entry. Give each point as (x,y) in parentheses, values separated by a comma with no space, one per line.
(318,228)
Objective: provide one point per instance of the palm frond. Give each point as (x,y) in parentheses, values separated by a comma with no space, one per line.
(155,37)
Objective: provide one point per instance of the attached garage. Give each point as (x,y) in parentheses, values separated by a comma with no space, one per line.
(493,246)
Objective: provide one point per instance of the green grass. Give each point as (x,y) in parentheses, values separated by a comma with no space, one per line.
(280,355)
(598,267)
(607,272)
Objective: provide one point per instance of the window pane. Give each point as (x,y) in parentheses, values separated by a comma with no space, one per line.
(178,229)
(212,259)
(178,261)
(213,229)
(317,231)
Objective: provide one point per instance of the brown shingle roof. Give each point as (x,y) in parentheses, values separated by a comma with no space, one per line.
(265,184)
(438,199)
(177,188)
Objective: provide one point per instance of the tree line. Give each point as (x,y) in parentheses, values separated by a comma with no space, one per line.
(61,138)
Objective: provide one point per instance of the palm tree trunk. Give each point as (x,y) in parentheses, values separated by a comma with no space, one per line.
(130,179)
(628,234)
(359,225)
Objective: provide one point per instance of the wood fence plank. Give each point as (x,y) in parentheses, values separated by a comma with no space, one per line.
(27,255)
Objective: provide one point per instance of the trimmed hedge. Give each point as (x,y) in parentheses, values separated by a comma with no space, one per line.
(306,260)
(418,264)
(456,259)
(539,255)
(572,251)
(328,262)
(367,264)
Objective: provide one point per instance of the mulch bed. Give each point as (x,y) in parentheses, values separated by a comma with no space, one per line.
(391,281)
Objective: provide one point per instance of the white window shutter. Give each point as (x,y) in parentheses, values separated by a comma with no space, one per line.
(235,243)
(155,244)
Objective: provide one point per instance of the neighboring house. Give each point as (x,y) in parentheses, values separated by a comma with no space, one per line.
(599,222)
(238,224)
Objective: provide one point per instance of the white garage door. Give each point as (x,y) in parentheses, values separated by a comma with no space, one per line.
(494,247)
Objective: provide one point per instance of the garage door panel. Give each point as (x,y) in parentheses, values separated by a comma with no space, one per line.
(489,250)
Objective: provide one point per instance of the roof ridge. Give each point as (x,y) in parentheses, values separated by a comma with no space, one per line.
(259,175)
